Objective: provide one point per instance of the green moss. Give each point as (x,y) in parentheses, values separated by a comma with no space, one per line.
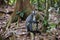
(52,25)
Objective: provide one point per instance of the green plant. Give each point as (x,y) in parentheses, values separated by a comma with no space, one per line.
(21,14)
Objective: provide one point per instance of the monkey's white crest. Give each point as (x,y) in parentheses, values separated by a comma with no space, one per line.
(34,12)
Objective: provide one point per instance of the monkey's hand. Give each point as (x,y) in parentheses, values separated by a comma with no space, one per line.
(35,22)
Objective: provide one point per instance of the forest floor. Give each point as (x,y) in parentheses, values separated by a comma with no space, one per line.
(20,33)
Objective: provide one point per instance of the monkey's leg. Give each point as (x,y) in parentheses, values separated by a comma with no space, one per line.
(29,27)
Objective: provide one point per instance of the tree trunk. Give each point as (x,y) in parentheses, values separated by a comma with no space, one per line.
(14,13)
(20,5)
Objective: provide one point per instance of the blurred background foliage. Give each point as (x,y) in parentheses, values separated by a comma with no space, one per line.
(40,6)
